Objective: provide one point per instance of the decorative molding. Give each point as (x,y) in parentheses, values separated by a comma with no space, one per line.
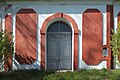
(43,32)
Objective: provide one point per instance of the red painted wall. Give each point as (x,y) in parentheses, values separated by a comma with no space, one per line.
(8,28)
(26,36)
(8,23)
(110,25)
(92,36)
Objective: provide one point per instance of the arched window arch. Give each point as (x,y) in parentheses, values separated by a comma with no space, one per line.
(59,26)
(75,38)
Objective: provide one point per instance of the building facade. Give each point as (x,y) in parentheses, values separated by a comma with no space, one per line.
(60,35)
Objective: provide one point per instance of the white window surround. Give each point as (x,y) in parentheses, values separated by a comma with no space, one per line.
(15,64)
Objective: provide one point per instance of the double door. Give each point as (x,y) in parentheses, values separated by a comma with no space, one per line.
(59,55)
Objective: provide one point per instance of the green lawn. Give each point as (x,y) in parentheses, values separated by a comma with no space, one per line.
(76,75)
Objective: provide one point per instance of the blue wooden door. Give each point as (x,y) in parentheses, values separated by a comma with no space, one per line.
(59,55)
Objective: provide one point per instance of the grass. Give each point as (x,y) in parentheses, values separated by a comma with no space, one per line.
(76,75)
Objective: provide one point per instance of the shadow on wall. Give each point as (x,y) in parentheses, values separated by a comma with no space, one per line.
(92,36)
(26,36)
(24,59)
(17,66)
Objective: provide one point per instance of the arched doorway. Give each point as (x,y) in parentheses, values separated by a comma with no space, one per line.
(74,39)
(59,46)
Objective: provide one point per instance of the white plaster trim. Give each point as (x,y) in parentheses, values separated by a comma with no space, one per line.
(80,44)
(104,29)
(100,66)
(13,29)
(15,63)
(3,23)
(102,9)
(38,42)
(26,66)
(72,46)
(115,24)
(116,11)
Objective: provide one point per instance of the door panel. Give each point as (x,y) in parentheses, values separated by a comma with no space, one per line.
(59,47)
(65,51)
(65,64)
(52,48)
(52,52)
(59,52)
(52,64)
(65,47)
